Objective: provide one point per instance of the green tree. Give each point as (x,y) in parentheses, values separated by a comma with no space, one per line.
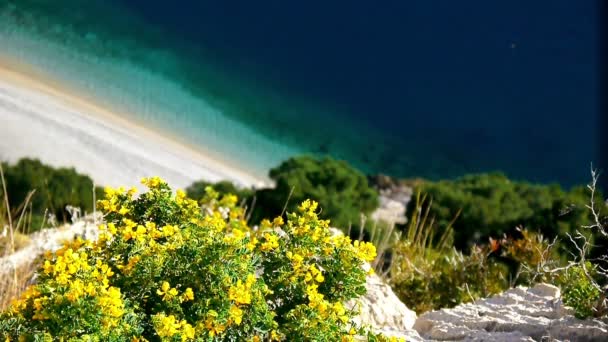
(342,191)
(492,205)
(54,189)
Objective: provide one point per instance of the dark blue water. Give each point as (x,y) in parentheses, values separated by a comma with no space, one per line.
(431,89)
(509,85)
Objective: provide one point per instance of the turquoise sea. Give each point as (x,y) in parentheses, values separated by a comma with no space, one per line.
(432,90)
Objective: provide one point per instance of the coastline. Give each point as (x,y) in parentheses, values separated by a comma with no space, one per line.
(79,115)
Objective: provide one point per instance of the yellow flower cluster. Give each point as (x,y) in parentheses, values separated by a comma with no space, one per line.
(148,235)
(365,250)
(70,276)
(169,326)
(153,250)
(235,236)
(166,291)
(326,309)
(152,182)
(314,273)
(236,314)
(111,203)
(271,241)
(308,207)
(241,293)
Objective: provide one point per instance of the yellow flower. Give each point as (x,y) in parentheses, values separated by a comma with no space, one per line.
(166,291)
(265,224)
(76,290)
(169,230)
(236,314)
(166,326)
(296,260)
(228,200)
(241,293)
(47,268)
(252,243)
(188,331)
(308,206)
(365,250)
(132,191)
(272,242)
(278,221)
(152,182)
(188,294)
(112,228)
(235,236)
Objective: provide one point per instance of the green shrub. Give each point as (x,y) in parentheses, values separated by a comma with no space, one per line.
(163,270)
(578,292)
(342,191)
(55,188)
(491,205)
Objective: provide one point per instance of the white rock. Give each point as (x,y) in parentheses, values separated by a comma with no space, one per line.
(382,309)
(49,239)
(520,314)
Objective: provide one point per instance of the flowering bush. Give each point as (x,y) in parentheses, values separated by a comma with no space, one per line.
(165,269)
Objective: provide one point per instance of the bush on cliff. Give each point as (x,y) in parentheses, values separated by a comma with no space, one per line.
(54,189)
(165,270)
(342,191)
(491,204)
(428,273)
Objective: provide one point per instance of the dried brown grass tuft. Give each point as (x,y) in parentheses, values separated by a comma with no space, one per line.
(13,236)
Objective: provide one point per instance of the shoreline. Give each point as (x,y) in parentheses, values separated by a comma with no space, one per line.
(28,81)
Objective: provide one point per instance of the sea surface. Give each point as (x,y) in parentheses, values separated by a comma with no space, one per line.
(433,89)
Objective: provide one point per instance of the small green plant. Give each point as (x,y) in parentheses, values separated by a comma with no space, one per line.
(163,270)
(578,291)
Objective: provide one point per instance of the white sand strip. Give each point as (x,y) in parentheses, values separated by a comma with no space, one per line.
(47,122)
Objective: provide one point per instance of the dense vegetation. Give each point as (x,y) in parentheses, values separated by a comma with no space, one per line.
(491,205)
(429,273)
(443,257)
(342,191)
(165,270)
(54,189)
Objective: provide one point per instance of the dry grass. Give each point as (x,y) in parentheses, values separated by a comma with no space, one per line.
(19,241)
(14,226)
(419,234)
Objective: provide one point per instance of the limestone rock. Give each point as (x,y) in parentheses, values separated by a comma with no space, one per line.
(393,203)
(519,314)
(381,308)
(49,239)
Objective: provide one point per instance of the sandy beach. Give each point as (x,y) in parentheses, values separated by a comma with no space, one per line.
(42,120)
